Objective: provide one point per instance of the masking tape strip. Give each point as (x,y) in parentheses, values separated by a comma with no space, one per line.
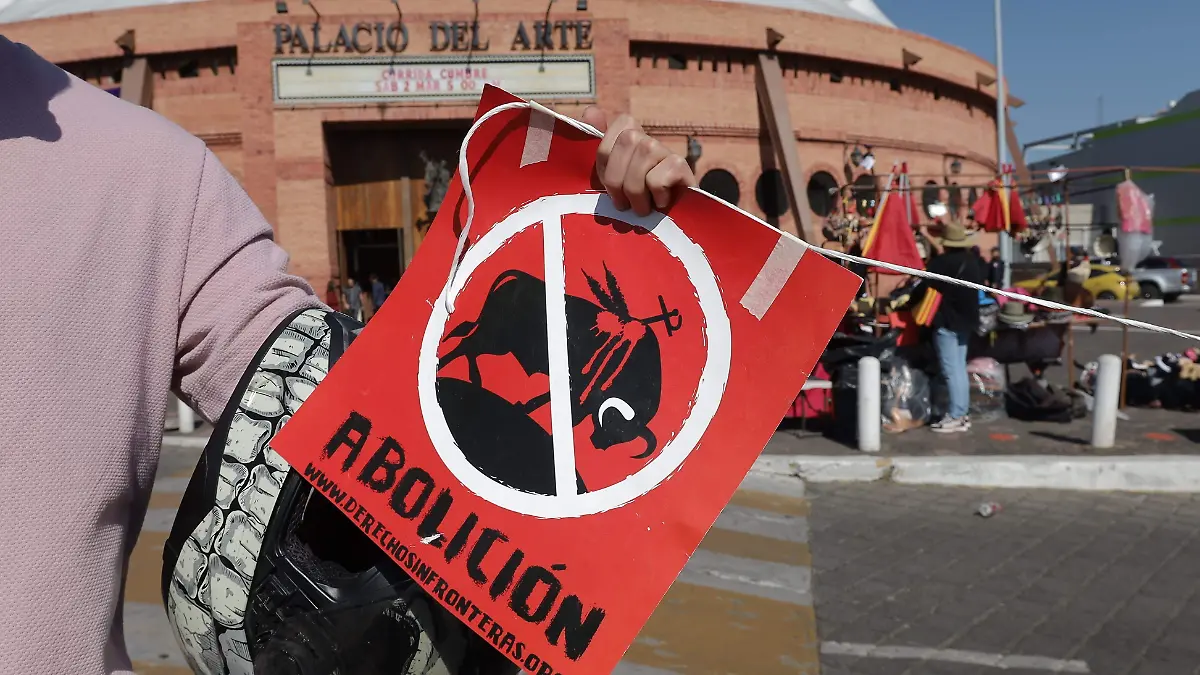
(538,136)
(772,277)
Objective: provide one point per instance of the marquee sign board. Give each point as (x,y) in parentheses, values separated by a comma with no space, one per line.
(417,79)
(544,456)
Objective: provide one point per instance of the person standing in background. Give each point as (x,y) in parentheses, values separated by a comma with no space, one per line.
(332,297)
(354,295)
(955,322)
(366,306)
(378,292)
(995,270)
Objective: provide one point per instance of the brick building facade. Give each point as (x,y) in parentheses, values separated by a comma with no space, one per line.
(334,129)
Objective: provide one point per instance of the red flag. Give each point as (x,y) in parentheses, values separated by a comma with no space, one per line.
(1016,212)
(891,239)
(999,209)
(988,209)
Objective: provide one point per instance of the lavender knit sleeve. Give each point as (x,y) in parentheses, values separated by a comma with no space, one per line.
(235,291)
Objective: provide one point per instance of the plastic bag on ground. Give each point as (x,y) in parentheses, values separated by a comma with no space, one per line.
(906,398)
(987,380)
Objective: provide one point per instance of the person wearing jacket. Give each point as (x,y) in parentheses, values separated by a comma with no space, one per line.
(955,321)
(175,282)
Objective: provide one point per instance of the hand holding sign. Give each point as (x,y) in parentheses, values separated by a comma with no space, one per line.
(545,455)
(634,167)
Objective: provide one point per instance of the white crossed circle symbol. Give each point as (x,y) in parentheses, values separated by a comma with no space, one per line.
(567,502)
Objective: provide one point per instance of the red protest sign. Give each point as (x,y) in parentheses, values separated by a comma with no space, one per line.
(545,457)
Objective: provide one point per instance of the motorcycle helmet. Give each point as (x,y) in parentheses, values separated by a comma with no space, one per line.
(262,574)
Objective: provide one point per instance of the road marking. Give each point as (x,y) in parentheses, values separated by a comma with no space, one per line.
(184,441)
(782,583)
(763,523)
(148,635)
(158,520)
(1001,661)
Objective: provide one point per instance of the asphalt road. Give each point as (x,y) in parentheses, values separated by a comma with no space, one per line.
(1183,315)
(909,581)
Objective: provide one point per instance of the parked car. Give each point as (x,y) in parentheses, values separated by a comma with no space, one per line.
(1163,277)
(1107,282)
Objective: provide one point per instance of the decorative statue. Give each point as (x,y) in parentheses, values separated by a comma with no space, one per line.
(437,182)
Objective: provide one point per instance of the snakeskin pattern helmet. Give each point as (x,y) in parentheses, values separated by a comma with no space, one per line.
(263,574)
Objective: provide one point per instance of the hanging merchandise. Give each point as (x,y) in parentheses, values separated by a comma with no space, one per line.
(1136,237)
(891,238)
(1134,206)
(999,208)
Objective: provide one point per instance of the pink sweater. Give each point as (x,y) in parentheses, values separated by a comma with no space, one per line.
(131,264)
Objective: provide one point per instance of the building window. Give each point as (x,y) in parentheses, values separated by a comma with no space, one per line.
(835,76)
(676,62)
(895,84)
(822,193)
(190,69)
(721,184)
(771,194)
(865,194)
(929,195)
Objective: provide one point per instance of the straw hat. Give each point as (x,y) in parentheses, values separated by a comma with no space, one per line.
(954,235)
(1013,314)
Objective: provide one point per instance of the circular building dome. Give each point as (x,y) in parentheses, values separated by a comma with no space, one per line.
(13,11)
(857,10)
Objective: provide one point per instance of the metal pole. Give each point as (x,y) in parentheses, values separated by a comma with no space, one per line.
(1125,328)
(187,419)
(1066,261)
(1001,138)
(868,404)
(1104,406)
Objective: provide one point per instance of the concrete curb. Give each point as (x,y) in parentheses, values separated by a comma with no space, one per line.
(1148,473)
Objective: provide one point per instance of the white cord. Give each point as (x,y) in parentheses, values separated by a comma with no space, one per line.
(464,178)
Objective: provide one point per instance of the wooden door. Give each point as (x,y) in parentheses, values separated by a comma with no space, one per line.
(383,205)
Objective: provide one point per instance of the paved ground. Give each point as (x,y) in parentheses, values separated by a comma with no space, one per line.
(909,580)
(748,584)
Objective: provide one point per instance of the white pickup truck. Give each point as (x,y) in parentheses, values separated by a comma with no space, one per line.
(1164,277)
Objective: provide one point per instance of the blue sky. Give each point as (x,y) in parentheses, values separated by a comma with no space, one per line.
(1061,56)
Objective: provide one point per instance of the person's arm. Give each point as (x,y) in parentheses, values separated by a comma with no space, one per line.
(235,291)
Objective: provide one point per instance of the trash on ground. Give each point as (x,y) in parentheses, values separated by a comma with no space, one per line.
(988,509)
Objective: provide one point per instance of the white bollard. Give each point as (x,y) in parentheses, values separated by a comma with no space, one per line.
(1104,408)
(187,419)
(868,404)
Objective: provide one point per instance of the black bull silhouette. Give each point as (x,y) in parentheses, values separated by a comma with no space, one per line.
(614,359)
